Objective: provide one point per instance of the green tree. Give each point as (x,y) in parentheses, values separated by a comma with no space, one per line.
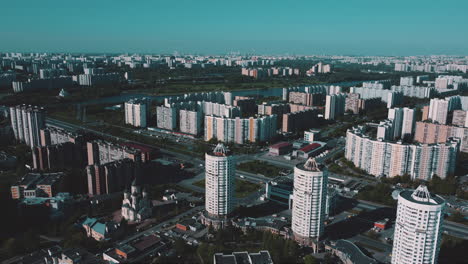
(309,259)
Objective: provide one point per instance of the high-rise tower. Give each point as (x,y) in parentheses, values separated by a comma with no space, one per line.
(418,227)
(220,172)
(310,195)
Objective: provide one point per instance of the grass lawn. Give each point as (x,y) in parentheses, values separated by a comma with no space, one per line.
(94,113)
(260,167)
(243,188)
(200,183)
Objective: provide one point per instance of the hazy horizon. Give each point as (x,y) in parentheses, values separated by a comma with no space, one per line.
(359,28)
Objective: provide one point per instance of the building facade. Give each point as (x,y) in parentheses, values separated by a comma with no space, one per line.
(310,200)
(27,121)
(110,177)
(384,158)
(136,205)
(220,174)
(136,112)
(334,106)
(460,118)
(240,130)
(190,122)
(430,133)
(166,117)
(418,227)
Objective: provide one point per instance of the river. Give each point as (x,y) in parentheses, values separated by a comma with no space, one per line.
(117,99)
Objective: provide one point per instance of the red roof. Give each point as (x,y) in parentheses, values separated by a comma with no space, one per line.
(280,145)
(146,242)
(310,147)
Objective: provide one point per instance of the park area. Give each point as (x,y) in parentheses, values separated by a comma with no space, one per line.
(261,167)
(243,188)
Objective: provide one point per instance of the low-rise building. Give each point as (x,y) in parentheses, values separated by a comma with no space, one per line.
(280,148)
(37,185)
(262,257)
(310,150)
(311,135)
(349,253)
(137,250)
(99,230)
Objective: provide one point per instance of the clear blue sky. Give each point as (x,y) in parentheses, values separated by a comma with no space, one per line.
(353,27)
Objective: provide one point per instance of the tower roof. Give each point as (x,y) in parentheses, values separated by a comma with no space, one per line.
(221,150)
(311,165)
(421,194)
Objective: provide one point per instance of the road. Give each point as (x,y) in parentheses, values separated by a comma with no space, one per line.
(450,228)
(74,128)
(160,225)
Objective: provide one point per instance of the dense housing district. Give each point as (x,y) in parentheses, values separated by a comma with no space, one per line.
(156,158)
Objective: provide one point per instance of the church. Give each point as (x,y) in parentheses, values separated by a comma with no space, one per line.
(136,205)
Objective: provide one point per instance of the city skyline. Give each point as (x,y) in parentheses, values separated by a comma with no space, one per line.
(208,27)
(226,132)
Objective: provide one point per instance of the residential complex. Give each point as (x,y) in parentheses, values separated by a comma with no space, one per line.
(402,122)
(356,105)
(438,110)
(26,122)
(298,120)
(240,130)
(136,113)
(190,122)
(102,79)
(430,133)
(37,185)
(309,99)
(391,98)
(334,106)
(319,68)
(166,117)
(384,158)
(460,118)
(110,177)
(114,178)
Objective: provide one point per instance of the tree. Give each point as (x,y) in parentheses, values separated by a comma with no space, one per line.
(12,247)
(447,186)
(180,246)
(457,217)
(309,259)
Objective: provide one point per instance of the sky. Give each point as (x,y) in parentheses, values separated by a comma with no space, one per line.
(293,27)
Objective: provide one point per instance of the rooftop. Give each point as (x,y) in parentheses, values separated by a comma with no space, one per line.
(353,252)
(220,150)
(310,147)
(310,165)
(280,145)
(422,196)
(262,257)
(147,242)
